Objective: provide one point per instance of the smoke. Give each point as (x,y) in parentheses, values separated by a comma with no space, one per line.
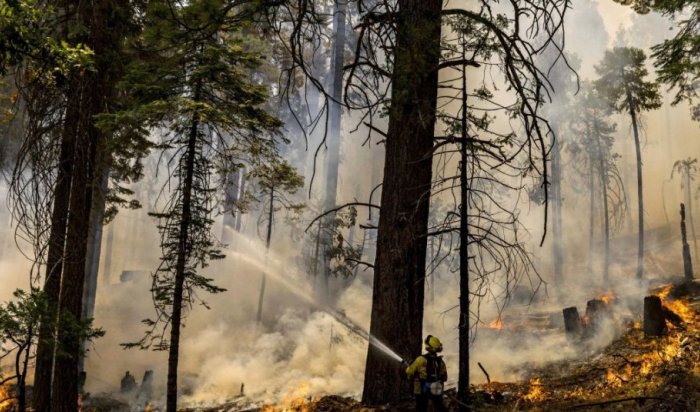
(299,350)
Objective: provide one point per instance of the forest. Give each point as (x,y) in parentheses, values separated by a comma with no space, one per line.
(349,205)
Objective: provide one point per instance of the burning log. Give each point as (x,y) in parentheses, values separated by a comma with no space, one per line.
(572,322)
(654,319)
(671,316)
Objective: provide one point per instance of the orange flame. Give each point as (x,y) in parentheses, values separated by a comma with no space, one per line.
(496,324)
(298,400)
(6,404)
(607,298)
(535,394)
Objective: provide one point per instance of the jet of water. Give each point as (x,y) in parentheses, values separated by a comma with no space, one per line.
(274,269)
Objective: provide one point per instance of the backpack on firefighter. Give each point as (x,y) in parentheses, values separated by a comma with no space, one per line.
(429,370)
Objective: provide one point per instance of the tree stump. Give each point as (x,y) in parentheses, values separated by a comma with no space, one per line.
(572,322)
(654,320)
(596,310)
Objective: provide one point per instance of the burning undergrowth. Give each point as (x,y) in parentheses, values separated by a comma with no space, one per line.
(634,372)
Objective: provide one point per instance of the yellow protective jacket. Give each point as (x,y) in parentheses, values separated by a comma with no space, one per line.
(420,370)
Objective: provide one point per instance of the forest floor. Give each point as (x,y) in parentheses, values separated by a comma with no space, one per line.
(633,373)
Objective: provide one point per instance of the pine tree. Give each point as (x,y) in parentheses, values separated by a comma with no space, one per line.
(622,83)
(196,87)
(592,156)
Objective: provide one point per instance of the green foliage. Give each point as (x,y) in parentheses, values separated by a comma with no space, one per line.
(280,176)
(677,59)
(622,81)
(19,327)
(193,85)
(26,35)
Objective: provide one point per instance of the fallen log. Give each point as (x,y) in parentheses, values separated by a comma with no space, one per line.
(671,316)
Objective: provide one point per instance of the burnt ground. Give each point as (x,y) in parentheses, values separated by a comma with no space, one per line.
(633,373)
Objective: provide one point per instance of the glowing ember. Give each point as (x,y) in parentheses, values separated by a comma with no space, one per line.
(535,394)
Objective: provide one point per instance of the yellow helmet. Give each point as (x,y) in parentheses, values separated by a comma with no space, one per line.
(433,344)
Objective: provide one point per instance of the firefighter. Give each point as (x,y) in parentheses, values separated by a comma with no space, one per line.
(429,374)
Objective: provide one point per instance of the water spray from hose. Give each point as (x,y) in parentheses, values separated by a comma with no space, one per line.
(274,268)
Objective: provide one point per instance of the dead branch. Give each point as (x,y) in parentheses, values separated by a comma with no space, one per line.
(488,378)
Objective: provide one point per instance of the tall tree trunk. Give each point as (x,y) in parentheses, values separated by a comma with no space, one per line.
(464,295)
(603,171)
(591,206)
(92,259)
(107,269)
(105,26)
(689,202)
(640,193)
(43,371)
(181,263)
(399,275)
(268,239)
(333,141)
(557,241)
(65,383)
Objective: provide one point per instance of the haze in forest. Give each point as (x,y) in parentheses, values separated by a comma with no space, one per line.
(298,350)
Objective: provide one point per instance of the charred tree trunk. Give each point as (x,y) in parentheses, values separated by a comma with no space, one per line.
(43,371)
(654,321)
(182,252)
(268,239)
(464,321)
(21,368)
(640,193)
(687,261)
(399,277)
